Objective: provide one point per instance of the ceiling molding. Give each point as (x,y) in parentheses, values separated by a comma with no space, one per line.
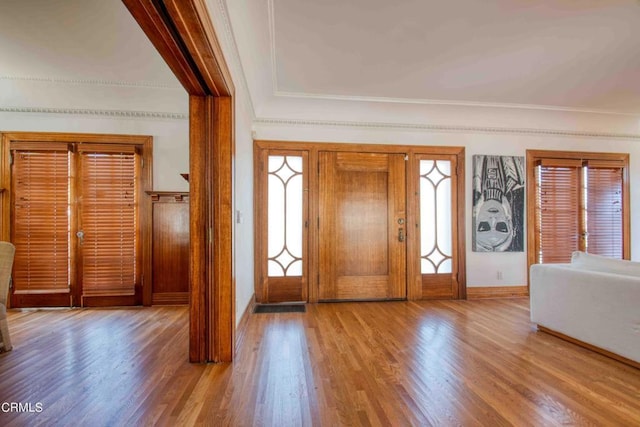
(413,101)
(272,45)
(235,62)
(125,114)
(443,128)
(94,82)
(284,94)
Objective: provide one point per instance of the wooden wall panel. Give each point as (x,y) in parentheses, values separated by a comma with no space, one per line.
(170,248)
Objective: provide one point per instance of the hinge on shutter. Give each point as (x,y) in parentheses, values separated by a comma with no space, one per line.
(10,282)
(11,158)
(142,163)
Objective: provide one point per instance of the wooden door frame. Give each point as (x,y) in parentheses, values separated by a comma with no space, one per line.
(532,159)
(414,276)
(145,181)
(183,34)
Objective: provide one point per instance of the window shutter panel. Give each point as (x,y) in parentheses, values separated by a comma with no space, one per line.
(41,221)
(604,211)
(558,219)
(108,220)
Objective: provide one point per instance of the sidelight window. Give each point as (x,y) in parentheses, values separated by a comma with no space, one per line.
(435,216)
(285,213)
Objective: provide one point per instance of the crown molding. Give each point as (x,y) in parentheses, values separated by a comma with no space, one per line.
(442,128)
(272,44)
(92,82)
(419,101)
(234,53)
(97,112)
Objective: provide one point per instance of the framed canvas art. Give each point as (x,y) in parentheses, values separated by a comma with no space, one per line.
(498,203)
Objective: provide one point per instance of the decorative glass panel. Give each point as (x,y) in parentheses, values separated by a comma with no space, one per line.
(285,216)
(435,216)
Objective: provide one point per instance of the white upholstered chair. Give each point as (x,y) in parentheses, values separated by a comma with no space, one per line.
(7,251)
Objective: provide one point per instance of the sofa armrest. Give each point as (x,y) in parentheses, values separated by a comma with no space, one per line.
(597,308)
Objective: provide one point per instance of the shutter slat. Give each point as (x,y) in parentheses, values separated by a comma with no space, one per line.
(604,211)
(558,219)
(41,225)
(108,218)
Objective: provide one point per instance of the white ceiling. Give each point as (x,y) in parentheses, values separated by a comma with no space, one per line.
(90,41)
(582,54)
(570,54)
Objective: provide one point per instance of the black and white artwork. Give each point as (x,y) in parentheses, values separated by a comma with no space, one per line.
(498,203)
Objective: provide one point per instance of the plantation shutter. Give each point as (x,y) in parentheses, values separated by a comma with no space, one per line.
(41,185)
(108,219)
(558,195)
(604,209)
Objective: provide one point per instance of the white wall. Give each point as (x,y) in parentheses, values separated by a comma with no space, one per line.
(244,116)
(244,207)
(482,268)
(170,138)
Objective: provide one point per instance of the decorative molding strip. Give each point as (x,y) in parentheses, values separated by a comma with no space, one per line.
(423,101)
(235,54)
(442,128)
(241,329)
(97,112)
(497,292)
(57,80)
(272,44)
(170,298)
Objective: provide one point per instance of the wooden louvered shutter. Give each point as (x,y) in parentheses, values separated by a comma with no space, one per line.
(558,201)
(41,226)
(604,209)
(108,220)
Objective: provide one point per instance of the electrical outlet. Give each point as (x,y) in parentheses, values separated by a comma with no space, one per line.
(499,275)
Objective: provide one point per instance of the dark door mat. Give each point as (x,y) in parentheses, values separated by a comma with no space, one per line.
(280,308)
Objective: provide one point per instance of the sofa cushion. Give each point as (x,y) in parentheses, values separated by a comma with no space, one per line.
(592,262)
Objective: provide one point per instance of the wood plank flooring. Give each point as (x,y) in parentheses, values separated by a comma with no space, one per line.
(381,364)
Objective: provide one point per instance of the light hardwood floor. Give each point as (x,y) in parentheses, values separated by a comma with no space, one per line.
(397,363)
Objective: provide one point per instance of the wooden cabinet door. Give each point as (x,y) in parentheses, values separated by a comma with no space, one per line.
(362,226)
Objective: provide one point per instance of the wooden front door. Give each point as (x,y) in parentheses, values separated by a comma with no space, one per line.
(362,226)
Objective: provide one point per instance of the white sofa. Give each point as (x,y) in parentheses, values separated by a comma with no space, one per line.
(595,300)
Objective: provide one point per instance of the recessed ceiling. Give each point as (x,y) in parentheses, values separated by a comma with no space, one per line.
(575,54)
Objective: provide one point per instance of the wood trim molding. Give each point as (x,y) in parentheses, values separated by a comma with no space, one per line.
(183,34)
(591,347)
(178,196)
(170,298)
(358,147)
(145,183)
(484,292)
(241,330)
(220,199)
(533,156)
(414,279)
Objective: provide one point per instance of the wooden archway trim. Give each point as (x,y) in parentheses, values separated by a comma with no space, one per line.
(183,34)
